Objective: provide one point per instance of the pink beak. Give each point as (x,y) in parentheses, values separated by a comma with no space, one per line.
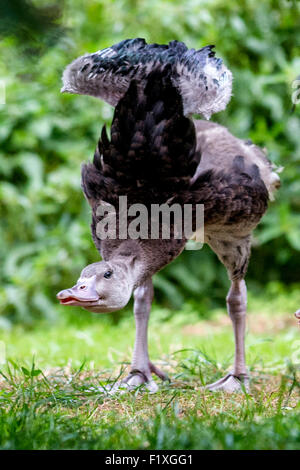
(80,294)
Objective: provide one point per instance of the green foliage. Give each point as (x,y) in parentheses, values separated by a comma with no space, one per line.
(34,27)
(27,429)
(45,136)
(56,401)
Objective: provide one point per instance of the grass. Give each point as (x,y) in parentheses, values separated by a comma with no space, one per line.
(49,385)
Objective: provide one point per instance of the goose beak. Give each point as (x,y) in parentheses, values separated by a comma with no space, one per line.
(83,293)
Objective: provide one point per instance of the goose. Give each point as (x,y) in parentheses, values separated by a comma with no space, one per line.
(157,154)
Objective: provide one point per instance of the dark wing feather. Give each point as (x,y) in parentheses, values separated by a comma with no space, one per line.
(202,79)
(151,155)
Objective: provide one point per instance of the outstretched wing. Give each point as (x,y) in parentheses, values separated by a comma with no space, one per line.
(202,79)
(151,155)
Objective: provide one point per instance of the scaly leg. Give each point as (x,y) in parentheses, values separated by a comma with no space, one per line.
(236,306)
(141,367)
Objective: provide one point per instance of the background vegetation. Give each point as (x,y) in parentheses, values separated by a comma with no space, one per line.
(45,136)
(54,361)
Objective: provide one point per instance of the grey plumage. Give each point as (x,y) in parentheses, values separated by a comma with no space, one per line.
(203,80)
(234,206)
(158,155)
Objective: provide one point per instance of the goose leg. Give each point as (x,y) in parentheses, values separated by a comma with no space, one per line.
(141,367)
(236,306)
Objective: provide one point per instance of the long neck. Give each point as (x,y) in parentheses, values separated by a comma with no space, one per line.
(141,259)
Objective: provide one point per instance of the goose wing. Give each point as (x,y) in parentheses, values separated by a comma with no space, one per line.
(151,154)
(203,80)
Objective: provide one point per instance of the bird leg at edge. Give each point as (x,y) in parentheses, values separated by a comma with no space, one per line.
(141,366)
(238,379)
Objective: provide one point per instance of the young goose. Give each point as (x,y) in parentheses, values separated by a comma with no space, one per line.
(157,155)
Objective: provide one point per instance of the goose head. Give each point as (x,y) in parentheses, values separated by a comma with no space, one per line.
(106,286)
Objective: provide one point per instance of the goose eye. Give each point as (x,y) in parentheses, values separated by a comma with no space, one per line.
(108,274)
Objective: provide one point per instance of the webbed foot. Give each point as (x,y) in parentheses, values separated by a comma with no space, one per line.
(230,383)
(138,377)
